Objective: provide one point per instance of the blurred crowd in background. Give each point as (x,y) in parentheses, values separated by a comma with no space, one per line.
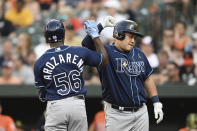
(169,28)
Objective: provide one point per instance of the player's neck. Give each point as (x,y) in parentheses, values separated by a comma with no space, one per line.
(55,45)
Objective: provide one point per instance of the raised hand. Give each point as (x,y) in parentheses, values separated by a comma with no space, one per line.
(91,28)
(108,21)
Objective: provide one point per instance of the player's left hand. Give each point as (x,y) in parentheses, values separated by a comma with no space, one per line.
(91,28)
(158,111)
(42,94)
(108,21)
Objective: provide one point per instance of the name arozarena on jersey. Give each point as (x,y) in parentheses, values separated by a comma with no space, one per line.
(61,59)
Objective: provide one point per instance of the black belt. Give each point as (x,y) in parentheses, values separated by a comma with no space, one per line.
(79,97)
(132,109)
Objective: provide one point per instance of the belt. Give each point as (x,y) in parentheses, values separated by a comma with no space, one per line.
(132,109)
(79,97)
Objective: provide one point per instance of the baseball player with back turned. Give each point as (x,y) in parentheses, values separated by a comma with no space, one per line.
(58,77)
(125,80)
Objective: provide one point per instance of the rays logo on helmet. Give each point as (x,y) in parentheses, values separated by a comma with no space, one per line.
(54,37)
(54,31)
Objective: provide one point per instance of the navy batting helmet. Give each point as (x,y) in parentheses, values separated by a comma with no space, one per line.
(128,26)
(54,31)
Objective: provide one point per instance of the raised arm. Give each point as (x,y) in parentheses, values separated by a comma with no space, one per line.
(92,30)
(108,21)
(87,41)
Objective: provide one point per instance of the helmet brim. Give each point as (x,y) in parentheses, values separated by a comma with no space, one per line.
(135,33)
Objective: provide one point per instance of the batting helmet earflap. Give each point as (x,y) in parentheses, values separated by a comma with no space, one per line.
(128,26)
(54,31)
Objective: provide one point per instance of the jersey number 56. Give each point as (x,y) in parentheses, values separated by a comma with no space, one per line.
(73,83)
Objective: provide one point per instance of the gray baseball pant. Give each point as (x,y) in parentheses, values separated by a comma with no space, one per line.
(67,114)
(116,120)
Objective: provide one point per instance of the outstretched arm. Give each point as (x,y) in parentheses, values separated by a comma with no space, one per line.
(92,30)
(108,21)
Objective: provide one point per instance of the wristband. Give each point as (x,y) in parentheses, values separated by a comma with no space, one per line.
(155,99)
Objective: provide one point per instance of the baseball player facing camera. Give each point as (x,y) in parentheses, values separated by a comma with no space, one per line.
(58,77)
(125,80)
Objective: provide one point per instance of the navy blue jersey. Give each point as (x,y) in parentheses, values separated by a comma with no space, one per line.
(59,70)
(123,77)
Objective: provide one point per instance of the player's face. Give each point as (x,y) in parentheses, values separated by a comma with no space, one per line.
(127,43)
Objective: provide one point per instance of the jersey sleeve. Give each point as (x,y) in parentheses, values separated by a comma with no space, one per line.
(93,58)
(37,74)
(88,42)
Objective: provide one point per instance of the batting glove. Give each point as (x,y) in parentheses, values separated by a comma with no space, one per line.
(158,111)
(91,28)
(108,21)
(42,94)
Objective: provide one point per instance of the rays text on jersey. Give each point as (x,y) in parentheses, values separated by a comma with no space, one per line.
(131,68)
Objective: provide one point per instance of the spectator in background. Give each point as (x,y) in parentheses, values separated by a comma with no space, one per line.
(192,47)
(45,4)
(111,8)
(72,3)
(31,58)
(23,46)
(187,10)
(168,41)
(83,10)
(163,61)
(98,123)
(180,39)
(191,123)
(40,49)
(19,126)
(63,18)
(173,73)
(188,70)
(76,22)
(6,27)
(160,73)
(93,76)
(71,37)
(169,13)
(6,122)
(20,16)
(95,7)
(22,71)
(7,52)
(177,56)
(148,49)
(125,4)
(6,78)
(34,7)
